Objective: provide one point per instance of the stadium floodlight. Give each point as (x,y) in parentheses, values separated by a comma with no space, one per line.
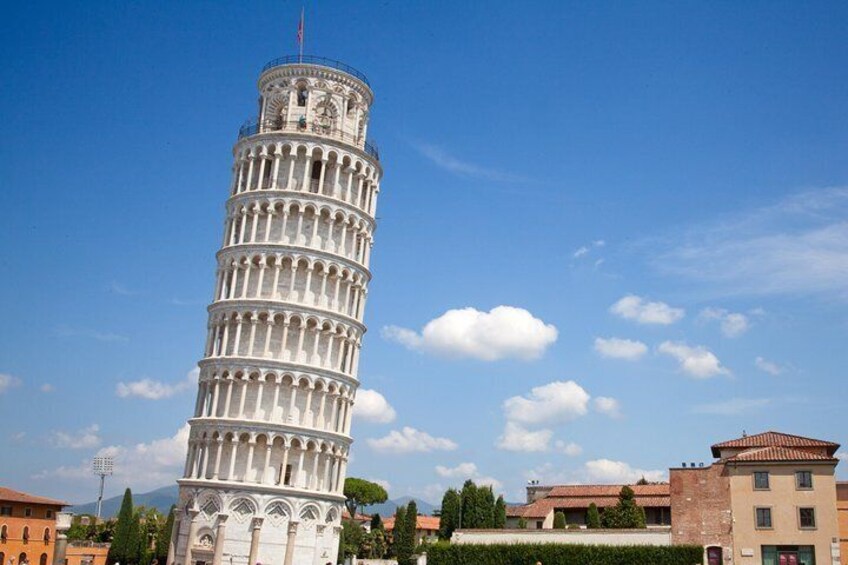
(102,467)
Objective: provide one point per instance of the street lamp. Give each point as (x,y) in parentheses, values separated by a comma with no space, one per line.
(102,466)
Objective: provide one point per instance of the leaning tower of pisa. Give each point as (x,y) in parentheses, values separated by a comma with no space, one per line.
(270,434)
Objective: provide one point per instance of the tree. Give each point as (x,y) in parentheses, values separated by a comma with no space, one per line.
(411,524)
(163,537)
(124,546)
(626,513)
(643,481)
(351,538)
(486,507)
(376,522)
(593,517)
(500,513)
(469,517)
(449,518)
(360,492)
(559,521)
(522,523)
(399,535)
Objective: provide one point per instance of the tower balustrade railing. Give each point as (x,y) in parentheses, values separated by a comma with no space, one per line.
(255,126)
(315,60)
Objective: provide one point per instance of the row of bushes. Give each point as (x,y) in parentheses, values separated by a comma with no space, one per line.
(557,554)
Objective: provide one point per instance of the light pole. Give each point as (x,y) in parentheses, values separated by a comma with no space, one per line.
(102,466)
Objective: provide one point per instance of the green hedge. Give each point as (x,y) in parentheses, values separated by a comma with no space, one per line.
(559,554)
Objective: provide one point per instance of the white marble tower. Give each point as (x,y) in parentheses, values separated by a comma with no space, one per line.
(270,435)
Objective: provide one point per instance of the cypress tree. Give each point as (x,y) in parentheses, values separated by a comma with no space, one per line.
(486,507)
(163,537)
(469,517)
(500,513)
(399,535)
(449,519)
(593,517)
(124,546)
(411,525)
(559,521)
(376,522)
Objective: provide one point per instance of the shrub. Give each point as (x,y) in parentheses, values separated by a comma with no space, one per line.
(559,521)
(574,526)
(521,554)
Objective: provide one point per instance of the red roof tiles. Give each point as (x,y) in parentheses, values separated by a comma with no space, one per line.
(9,495)
(422,523)
(779,454)
(581,496)
(774,439)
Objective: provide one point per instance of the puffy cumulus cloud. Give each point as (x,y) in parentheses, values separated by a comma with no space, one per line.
(608,406)
(733,406)
(842,455)
(503,332)
(559,401)
(733,324)
(371,406)
(767,366)
(636,308)
(156,390)
(517,438)
(85,438)
(383,483)
(7,382)
(465,471)
(697,361)
(571,449)
(410,440)
(617,348)
(143,465)
(607,471)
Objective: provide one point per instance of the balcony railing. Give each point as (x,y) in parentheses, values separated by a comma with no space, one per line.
(254,126)
(313,60)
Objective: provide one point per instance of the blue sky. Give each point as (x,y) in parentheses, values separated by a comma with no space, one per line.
(656,193)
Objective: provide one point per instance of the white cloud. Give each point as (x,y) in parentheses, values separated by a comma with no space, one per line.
(503,332)
(584,250)
(517,438)
(83,439)
(768,366)
(620,348)
(636,308)
(842,455)
(606,471)
(47,388)
(698,361)
(452,164)
(608,406)
(733,324)
(465,471)
(156,390)
(571,449)
(383,483)
(580,252)
(732,407)
(559,401)
(550,474)
(410,440)
(797,246)
(372,406)
(142,466)
(7,382)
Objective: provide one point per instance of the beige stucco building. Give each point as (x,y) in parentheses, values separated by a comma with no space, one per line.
(769,499)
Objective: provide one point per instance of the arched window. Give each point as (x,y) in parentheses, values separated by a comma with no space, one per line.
(43,559)
(316,169)
(302,94)
(351,105)
(2,557)
(22,558)
(4,534)
(25,535)
(46,535)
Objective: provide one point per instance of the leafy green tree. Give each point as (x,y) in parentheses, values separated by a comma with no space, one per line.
(559,521)
(593,517)
(469,517)
(626,513)
(163,537)
(399,537)
(378,543)
(377,522)
(522,523)
(124,546)
(449,516)
(410,524)
(352,534)
(486,507)
(643,481)
(360,492)
(500,513)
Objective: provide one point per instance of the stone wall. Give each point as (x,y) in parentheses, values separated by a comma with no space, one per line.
(654,536)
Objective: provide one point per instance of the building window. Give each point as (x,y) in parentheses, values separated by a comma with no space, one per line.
(803,479)
(5,510)
(761,480)
(27,512)
(763,516)
(49,514)
(807,518)
(539,524)
(25,535)
(4,534)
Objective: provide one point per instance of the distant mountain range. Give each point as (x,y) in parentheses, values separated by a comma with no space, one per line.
(162,499)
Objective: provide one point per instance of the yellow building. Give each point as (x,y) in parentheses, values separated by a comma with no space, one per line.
(27,528)
(842,510)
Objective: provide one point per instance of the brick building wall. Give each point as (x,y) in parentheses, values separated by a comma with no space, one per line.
(700,502)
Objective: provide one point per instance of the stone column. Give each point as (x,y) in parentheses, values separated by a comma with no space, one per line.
(290,541)
(63,524)
(192,533)
(256,528)
(219,540)
(175,534)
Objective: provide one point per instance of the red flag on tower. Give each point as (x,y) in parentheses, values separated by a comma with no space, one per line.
(300,35)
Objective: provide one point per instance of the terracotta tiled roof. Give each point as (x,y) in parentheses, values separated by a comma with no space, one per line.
(661,489)
(359,516)
(774,439)
(779,454)
(9,495)
(422,523)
